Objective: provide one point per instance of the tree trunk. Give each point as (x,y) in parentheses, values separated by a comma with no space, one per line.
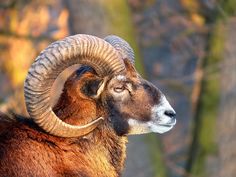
(227,116)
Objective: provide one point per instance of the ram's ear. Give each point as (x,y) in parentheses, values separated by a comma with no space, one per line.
(93,87)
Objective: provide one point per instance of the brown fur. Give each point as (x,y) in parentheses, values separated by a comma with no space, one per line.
(26,150)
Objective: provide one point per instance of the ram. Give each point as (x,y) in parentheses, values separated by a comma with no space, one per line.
(85,133)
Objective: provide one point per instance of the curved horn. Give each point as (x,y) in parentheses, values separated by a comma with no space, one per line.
(122,46)
(78,49)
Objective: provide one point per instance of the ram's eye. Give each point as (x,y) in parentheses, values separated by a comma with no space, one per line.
(119,89)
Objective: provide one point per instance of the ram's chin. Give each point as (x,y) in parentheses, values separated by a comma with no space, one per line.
(138,127)
(160,128)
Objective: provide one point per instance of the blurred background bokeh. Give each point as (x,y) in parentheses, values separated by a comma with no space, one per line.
(187,48)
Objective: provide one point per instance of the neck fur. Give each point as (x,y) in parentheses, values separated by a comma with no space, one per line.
(103,142)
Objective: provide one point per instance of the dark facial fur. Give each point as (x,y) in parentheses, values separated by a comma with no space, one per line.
(126,97)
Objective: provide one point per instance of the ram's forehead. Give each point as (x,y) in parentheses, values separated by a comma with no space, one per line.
(121,78)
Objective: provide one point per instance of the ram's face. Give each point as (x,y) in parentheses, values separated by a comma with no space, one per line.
(136,106)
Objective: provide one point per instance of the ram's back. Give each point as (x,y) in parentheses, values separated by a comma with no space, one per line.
(5,122)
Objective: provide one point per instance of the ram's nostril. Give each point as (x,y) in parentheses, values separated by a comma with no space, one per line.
(170,113)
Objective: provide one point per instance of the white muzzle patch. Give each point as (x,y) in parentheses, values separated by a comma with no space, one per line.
(162,119)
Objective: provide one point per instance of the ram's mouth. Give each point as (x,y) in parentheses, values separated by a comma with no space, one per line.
(168,124)
(138,127)
(161,128)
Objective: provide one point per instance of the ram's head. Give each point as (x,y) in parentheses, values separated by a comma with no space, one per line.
(131,104)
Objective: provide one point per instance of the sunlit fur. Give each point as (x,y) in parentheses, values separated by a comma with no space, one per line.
(26,150)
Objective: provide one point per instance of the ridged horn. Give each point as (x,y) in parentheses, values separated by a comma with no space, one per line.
(122,46)
(77,49)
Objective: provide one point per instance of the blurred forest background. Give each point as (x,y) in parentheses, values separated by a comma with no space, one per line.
(187,48)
